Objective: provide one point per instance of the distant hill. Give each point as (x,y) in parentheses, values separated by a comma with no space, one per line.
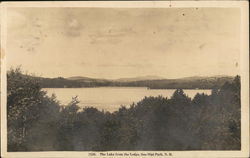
(85,79)
(188,83)
(79,78)
(139,78)
(152,82)
(205,77)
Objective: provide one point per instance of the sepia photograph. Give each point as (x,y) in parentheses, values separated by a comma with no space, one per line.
(124,80)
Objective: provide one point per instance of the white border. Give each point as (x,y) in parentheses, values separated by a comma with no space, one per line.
(244,67)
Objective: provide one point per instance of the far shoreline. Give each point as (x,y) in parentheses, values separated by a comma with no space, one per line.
(128,87)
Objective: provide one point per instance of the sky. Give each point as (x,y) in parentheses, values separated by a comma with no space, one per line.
(116,43)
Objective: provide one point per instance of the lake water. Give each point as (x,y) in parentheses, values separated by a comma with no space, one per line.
(110,98)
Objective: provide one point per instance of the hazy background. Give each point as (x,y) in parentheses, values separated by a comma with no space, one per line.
(115,43)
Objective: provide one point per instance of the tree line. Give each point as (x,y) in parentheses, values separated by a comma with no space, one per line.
(36,122)
(200,83)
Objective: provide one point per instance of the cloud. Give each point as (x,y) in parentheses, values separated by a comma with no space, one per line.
(72,27)
(110,35)
(202,46)
(124,65)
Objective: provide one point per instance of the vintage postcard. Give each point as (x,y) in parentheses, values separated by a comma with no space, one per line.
(125,79)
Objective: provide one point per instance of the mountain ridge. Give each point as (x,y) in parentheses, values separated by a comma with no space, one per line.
(152,83)
(147,77)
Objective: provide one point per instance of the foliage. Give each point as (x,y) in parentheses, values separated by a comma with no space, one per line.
(37,122)
(29,112)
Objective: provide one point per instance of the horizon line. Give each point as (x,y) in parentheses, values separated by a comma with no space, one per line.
(26,72)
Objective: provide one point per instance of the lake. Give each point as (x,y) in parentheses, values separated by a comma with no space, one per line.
(110,98)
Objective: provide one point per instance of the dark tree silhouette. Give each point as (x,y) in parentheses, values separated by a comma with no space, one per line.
(37,122)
